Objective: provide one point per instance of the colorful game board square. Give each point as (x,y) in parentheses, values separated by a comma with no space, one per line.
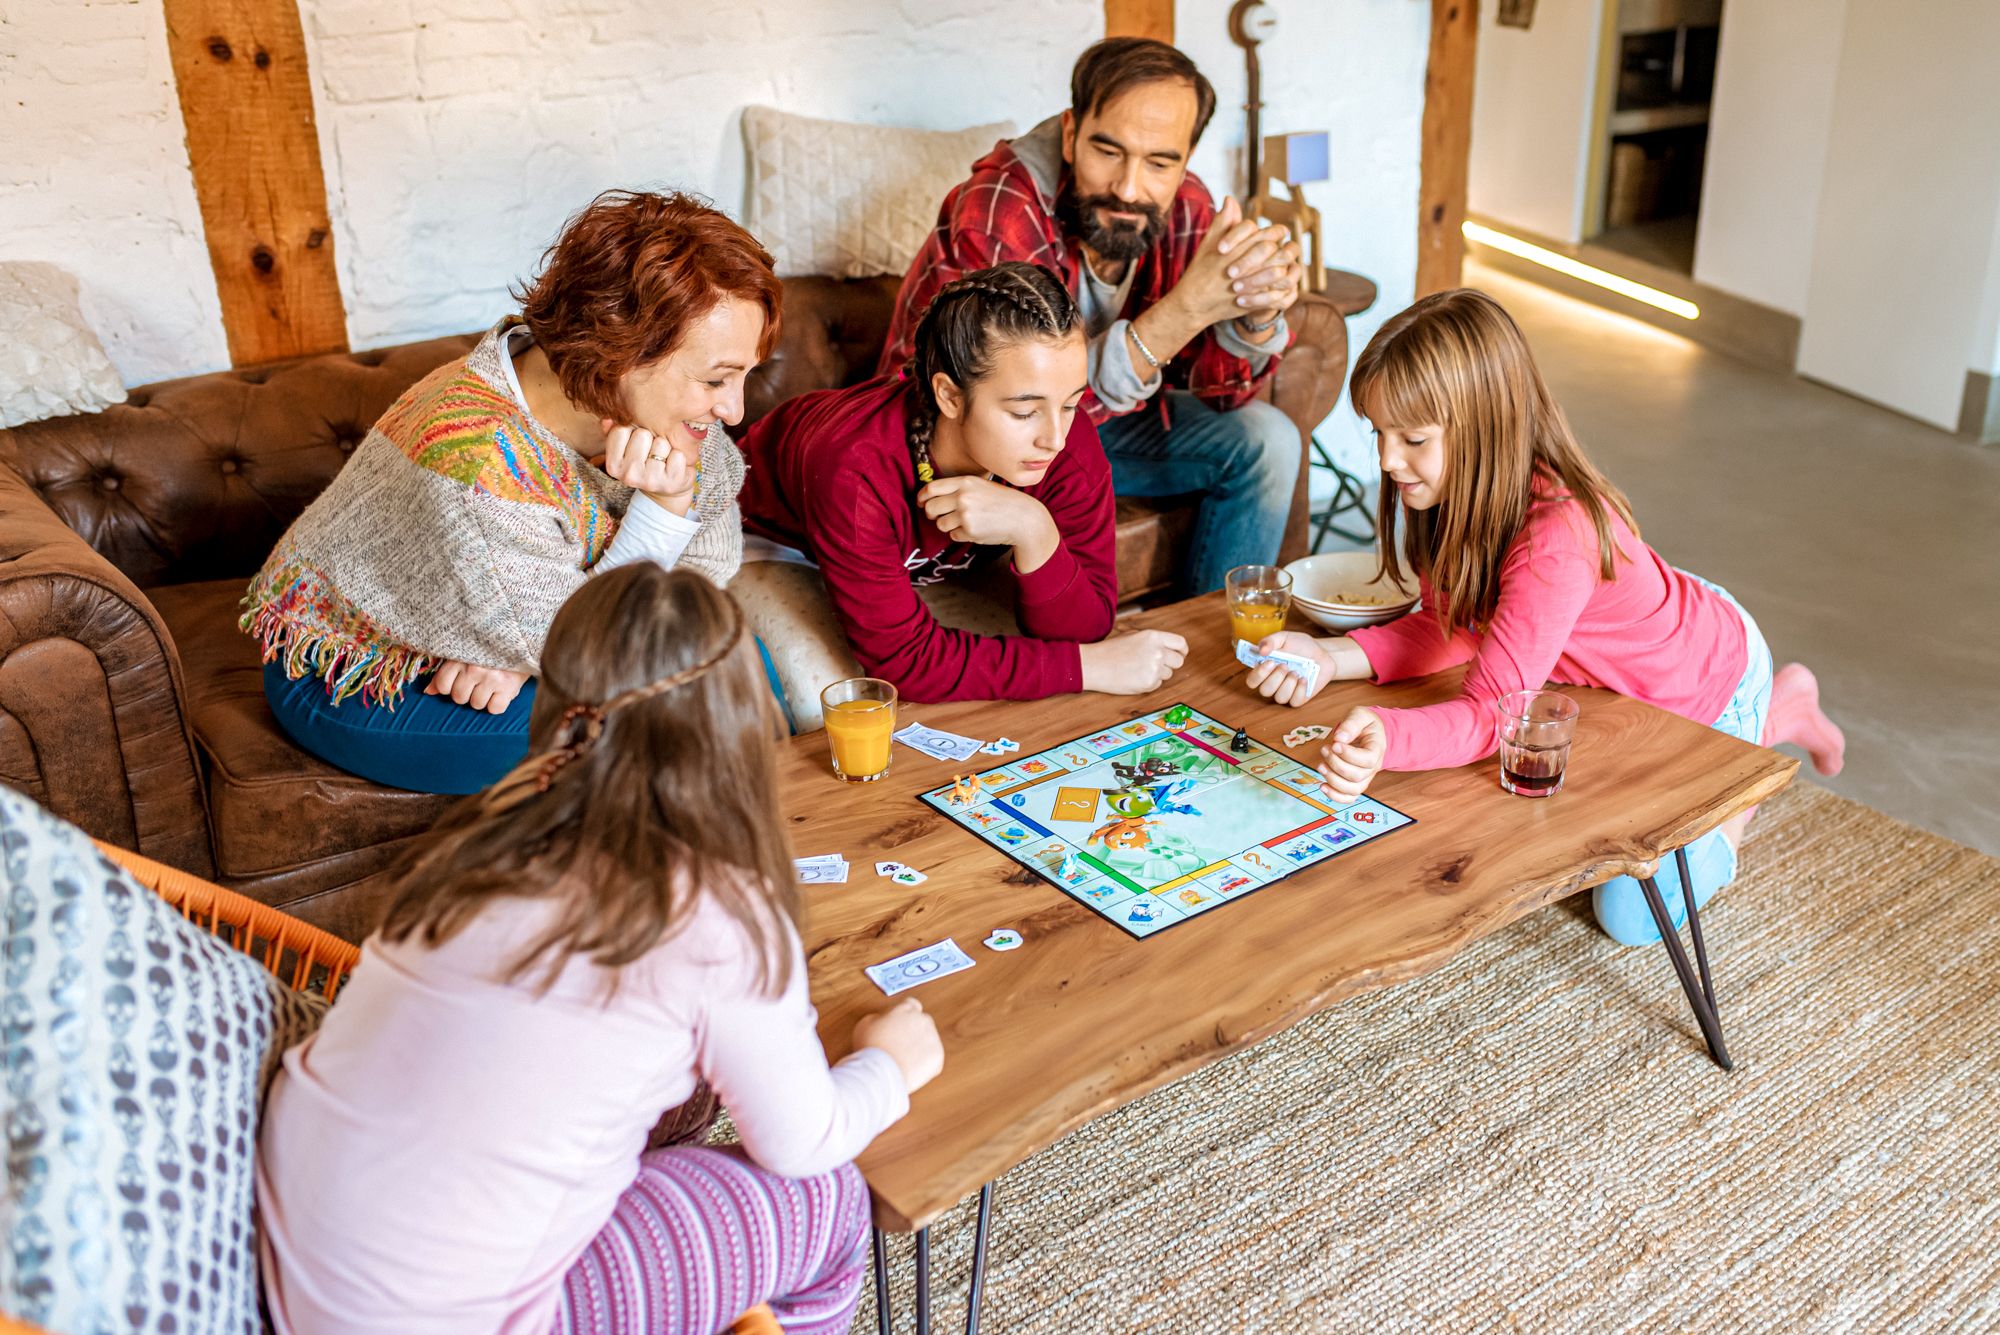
(1230,881)
(1370,817)
(1138,727)
(1145,914)
(1264,765)
(1261,864)
(1335,835)
(1072,757)
(1105,895)
(1190,898)
(1013,836)
(1035,767)
(1048,853)
(1000,778)
(1302,780)
(1303,850)
(979,818)
(1105,741)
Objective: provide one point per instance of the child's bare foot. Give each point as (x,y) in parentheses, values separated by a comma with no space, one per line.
(1797,718)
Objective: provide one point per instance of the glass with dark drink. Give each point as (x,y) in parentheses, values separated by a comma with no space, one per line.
(1536,728)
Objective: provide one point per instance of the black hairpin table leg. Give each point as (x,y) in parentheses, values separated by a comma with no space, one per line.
(883,1319)
(1700,990)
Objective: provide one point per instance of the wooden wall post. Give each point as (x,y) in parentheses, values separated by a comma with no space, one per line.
(1447,139)
(246,100)
(1139,18)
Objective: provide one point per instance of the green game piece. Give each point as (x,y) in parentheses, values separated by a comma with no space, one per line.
(1176,716)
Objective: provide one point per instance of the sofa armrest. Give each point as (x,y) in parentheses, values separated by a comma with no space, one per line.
(92,710)
(1305,387)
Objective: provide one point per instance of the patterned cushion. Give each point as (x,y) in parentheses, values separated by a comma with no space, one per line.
(137,1050)
(785,604)
(851,201)
(51,364)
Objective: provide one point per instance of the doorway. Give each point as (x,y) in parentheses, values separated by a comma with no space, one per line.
(1653,137)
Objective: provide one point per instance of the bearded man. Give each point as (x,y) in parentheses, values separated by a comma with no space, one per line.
(1184,304)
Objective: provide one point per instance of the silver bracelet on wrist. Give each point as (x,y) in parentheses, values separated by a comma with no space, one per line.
(1140,344)
(1249,326)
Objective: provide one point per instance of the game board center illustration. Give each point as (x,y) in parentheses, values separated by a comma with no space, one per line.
(1162,818)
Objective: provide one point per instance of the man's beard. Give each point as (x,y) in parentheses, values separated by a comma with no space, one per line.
(1116,241)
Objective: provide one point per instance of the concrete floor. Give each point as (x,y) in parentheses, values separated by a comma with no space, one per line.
(1867,545)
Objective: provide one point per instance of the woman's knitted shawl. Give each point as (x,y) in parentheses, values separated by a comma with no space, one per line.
(454,532)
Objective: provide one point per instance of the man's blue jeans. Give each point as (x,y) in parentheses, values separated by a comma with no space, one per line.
(1243,463)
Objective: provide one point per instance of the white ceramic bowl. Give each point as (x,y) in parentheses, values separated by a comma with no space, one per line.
(1339,591)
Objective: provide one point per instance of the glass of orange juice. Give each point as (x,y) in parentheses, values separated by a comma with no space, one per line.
(1259,598)
(860,720)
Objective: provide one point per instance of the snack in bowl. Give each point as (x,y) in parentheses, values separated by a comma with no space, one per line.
(1341,590)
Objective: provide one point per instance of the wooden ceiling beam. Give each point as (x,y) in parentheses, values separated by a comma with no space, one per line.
(1139,18)
(246,101)
(1447,144)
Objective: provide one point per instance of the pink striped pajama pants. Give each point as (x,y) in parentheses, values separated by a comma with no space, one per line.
(704,1235)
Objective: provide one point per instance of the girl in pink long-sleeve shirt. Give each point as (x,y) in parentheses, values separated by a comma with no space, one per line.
(1531,570)
(463,1147)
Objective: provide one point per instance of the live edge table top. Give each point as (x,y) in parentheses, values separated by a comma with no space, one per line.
(1082,1019)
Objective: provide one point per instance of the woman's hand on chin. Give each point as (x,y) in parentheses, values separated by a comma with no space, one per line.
(489,688)
(650,464)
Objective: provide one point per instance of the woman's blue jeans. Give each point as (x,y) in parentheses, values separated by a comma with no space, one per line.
(427,743)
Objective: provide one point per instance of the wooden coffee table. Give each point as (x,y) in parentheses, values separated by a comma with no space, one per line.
(1082,1019)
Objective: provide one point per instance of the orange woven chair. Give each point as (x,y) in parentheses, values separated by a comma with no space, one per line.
(303,956)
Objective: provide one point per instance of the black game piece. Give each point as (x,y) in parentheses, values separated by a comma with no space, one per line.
(1240,743)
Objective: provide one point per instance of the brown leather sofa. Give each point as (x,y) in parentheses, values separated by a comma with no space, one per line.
(131,704)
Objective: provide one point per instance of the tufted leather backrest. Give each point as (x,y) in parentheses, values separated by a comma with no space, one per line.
(834,331)
(195,479)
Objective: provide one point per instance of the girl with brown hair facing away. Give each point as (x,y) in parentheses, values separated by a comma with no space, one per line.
(402,615)
(1531,570)
(463,1145)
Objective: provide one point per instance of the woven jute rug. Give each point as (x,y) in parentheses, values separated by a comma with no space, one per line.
(1533,1138)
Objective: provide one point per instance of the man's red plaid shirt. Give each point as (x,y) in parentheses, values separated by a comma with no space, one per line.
(1000,213)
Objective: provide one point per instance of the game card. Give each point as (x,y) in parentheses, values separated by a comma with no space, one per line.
(938,745)
(919,966)
(1304,669)
(1076,803)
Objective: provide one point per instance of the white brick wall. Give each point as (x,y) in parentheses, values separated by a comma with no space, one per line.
(94,177)
(458,134)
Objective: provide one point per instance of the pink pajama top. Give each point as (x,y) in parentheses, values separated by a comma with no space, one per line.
(447,1145)
(1654,633)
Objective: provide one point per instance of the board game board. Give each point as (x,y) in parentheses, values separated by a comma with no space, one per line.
(1151,823)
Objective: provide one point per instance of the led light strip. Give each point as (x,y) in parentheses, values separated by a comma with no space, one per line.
(1563,264)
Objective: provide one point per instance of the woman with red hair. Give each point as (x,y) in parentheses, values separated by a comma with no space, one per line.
(402,615)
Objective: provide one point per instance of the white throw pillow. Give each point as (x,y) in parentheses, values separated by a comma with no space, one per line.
(51,364)
(851,201)
(135,1050)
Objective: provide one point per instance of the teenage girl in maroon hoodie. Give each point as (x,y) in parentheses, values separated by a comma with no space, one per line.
(976,454)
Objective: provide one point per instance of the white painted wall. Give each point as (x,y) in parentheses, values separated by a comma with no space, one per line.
(1986,351)
(1533,100)
(1897,309)
(1354,68)
(94,176)
(458,134)
(1767,148)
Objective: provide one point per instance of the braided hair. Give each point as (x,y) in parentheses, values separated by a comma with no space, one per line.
(962,325)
